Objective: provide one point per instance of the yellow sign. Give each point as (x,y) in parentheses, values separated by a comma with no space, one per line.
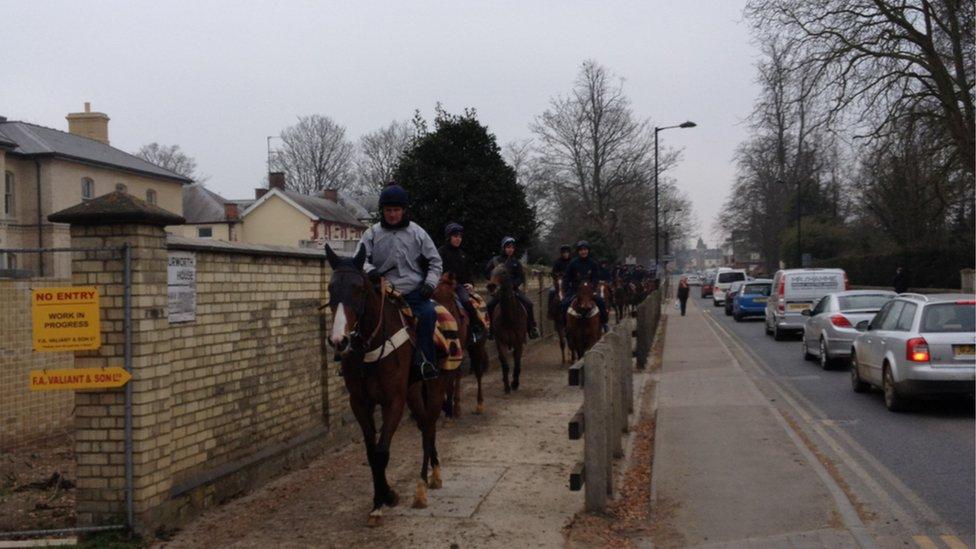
(78,378)
(66,319)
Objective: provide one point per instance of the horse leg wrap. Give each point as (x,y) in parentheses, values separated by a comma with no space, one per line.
(435,478)
(420,497)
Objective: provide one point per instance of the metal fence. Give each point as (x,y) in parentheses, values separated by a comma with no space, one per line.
(605,373)
(124,255)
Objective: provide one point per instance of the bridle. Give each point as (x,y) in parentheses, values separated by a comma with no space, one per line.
(354,340)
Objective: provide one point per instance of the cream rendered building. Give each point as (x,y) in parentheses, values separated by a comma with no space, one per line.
(47,170)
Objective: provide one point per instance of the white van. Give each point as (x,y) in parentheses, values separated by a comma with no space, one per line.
(723,279)
(796,290)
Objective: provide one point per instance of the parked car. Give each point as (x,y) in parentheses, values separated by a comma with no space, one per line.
(723,279)
(829,330)
(917,345)
(706,287)
(694,280)
(730,295)
(751,299)
(796,290)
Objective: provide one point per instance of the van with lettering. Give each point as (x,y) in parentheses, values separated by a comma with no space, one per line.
(795,291)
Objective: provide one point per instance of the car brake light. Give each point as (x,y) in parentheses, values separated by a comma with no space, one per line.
(840,321)
(917,350)
(782,287)
(969,302)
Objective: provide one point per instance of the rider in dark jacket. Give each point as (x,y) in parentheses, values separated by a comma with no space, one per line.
(456,262)
(583,268)
(559,268)
(517,274)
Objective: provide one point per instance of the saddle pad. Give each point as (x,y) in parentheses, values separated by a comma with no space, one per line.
(590,314)
(481,307)
(446,338)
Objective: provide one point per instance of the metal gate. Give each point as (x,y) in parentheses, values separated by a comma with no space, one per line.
(39,255)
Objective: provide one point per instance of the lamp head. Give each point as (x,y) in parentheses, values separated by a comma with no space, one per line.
(688,124)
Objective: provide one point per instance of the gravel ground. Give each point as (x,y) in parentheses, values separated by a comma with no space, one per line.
(37,485)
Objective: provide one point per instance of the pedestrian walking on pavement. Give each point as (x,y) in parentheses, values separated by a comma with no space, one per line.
(900,282)
(683,291)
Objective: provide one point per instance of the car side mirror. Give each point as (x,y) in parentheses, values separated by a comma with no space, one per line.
(863,326)
(806,312)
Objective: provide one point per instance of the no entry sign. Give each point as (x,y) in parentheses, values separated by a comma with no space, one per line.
(66,319)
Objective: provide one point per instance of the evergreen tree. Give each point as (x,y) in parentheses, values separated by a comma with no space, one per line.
(456,173)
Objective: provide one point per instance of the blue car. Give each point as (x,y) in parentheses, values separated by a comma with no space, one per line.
(751,299)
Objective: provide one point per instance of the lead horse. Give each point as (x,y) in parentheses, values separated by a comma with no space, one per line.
(582,321)
(376,345)
(509,326)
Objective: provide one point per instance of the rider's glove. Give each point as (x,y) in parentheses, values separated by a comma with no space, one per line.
(374,276)
(426,291)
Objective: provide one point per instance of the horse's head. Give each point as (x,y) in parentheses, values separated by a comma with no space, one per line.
(444,291)
(348,293)
(500,279)
(584,296)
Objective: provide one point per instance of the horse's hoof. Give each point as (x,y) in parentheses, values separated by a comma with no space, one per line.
(480,409)
(375,518)
(508,389)
(515,385)
(420,497)
(392,499)
(435,479)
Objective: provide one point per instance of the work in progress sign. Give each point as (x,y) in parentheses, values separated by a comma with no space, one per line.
(66,319)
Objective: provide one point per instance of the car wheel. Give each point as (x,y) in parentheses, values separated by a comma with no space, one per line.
(825,361)
(769,331)
(857,384)
(893,401)
(807,355)
(737,317)
(728,312)
(778,334)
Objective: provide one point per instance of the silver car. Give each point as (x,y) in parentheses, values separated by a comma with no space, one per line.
(917,345)
(829,329)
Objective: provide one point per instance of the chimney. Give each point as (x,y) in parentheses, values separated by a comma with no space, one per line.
(276,180)
(89,124)
(258,193)
(231,213)
(331,195)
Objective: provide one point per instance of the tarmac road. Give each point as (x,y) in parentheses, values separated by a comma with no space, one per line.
(919,463)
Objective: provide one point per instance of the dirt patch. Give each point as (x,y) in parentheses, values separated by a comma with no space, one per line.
(37,485)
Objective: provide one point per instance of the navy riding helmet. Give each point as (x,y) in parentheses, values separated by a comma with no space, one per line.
(452,229)
(582,244)
(507,240)
(394,195)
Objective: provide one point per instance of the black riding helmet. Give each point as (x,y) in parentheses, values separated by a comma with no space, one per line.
(394,195)
(565,248)
(582,244)
(452,229)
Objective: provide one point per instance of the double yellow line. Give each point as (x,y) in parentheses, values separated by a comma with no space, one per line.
(951,541)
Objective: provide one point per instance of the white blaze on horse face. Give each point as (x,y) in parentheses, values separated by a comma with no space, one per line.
(339,325)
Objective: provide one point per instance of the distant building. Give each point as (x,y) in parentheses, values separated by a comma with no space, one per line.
(288,218)
(45,170)
(208,215)
(707,258)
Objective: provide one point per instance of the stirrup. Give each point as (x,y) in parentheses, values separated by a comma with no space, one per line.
(428,371)
(534,333)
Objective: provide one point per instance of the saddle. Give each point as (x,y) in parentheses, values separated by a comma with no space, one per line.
(446,340)
(480,307)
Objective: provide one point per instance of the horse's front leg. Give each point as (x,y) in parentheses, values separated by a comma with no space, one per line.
(435,393)
(502,349)
(517,360)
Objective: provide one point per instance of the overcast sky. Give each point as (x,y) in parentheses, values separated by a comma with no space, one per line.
(217,78)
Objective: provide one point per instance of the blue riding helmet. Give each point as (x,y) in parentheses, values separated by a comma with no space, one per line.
(507,240)
(394,195)
(453,228)
(582,244)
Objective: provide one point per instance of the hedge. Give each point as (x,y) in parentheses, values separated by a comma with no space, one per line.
(938,268)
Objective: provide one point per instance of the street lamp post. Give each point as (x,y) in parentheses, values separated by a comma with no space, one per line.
(657,226)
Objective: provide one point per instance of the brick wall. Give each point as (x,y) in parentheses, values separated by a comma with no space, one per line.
(27,415)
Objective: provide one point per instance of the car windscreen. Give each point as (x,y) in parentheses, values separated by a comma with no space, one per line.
(757,289)
(949,317)
(863,302)
(724,278)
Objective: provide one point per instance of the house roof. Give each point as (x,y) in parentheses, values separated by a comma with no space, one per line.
(314,207)
(6,142)
(33,140)
(201,205)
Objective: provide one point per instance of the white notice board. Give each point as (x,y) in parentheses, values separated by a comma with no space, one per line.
(181,278)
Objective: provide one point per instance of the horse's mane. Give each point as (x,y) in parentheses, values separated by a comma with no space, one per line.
(506,294)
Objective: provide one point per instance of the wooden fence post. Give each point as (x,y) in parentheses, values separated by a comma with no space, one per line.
(595,453)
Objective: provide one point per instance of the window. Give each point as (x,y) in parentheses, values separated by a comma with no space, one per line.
(151,197)
(8,194)
(879,318)
(87,189)
(724,278)
(205,232)
(863,302)
(8,261)
(905,318)
(121,187)
(762,289)
(821,306)
(949,317)
(891,319)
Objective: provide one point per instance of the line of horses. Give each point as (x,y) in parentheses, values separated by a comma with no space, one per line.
(375,343)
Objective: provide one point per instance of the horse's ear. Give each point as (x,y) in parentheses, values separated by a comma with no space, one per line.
(331,256)
(360,258)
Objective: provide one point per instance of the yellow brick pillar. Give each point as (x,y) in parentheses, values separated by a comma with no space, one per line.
(100,225)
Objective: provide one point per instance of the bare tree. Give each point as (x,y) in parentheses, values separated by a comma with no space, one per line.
(886,59)
(379,153)
(315,155)
(532,175)
(170,158)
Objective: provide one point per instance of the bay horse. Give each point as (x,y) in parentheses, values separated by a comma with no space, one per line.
(620,298)
(376,346)
(509,326)
(583,321)
(445,294)
(554,312)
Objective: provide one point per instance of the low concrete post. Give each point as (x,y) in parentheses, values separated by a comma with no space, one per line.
(615,380)
(625,357)
(595,455)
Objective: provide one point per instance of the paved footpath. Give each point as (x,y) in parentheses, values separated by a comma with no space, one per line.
(505,480)
(728,472)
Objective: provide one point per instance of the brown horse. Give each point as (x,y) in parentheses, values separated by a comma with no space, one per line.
(554,312)
(509,325)
(620,298)
(445,294)
(583,321)
(376,346)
